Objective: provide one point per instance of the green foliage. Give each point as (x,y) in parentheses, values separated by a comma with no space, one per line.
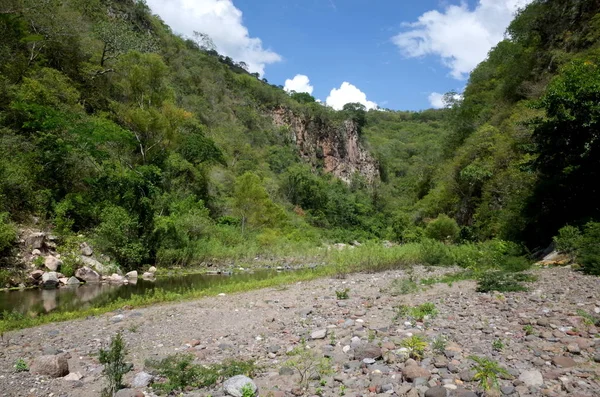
(21,366)
(487,372)
(502,281)
(180,372)
(114,363)
(568,240)
(403,286)
(416,346)
(528,329)
(247,391)
(439,344)
(418,313)
(309,364)
(588,318)
(443,228)
(117,235)
(589,251)
(498,345)
(8,234)
(342,294)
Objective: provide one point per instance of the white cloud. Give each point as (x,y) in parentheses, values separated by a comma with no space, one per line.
(300,83)
(222,21)
(437,100)
(348,93)
(461,36)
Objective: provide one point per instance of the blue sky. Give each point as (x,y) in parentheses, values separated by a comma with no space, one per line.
(388,53)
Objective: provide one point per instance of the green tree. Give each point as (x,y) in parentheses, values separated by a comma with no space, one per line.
(252,204)
(568,143)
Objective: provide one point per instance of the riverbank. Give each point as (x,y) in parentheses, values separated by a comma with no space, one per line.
(542,337)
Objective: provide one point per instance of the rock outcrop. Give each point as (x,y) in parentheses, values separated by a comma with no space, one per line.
(337,147)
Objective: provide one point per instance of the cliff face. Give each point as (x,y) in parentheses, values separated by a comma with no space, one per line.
(337,148)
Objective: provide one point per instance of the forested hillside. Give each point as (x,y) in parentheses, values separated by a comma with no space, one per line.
(161,150)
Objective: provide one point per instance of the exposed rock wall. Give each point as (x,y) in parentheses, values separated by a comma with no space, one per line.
(337,148)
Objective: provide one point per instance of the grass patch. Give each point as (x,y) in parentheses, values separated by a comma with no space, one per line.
(449,279)
(418,313)
(502,281)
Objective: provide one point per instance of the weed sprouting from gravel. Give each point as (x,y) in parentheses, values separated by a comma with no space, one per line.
(487,372)
(114,363)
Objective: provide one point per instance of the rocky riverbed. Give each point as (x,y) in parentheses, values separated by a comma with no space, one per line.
(541,337)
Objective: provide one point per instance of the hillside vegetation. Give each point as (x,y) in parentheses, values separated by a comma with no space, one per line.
(160,150)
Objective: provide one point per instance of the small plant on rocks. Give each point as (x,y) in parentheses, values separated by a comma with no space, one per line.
(416,346)
(114,363)
(528,329)
(439,344)
(497,345)
(247,391)
(403,286)
(588,319)
(342,294)
(21,366)
(487,372)
(502,281)
(425,310)
(309,364)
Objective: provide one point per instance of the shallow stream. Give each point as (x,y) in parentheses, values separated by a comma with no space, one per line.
(36,301)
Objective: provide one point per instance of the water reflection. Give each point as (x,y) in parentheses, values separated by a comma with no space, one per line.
(75,298)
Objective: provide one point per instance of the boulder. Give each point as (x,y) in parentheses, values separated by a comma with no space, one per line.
(437,391)
(73,377)
(233,386)
(319,334)
(36,252)
(133,274)
(36,274)
(152,269)
(52,263)
(63,280)
(86,249)
(73,281)
(94,264)
(88,275)
(367,350)
(115,278)
(55,366)
(35,240)
(565,362)
(413,372)
(532,378)
(142,379)
(50,280)
(148,276)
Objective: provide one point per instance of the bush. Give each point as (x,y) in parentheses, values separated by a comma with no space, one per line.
(443,228)
(117,235)
(502,281)
(568,240)
(589,249)
(435,253)
(114,363)
(8,234)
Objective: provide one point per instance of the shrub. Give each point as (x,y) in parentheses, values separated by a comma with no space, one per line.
(443,228)
(117,235)
(568,240)
(589,249)
(8,233)
(181,372)
(21,366)
(502,281)
(435,253)
(309,364)
(487,371)
(114,363)
(342,294)
(416,346)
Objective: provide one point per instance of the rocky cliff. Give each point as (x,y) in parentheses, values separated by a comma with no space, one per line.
(336,147)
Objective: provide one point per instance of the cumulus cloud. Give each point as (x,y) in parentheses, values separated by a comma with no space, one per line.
(460,36)
(300,83)
(348,93)
(438,101)
(222,21)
